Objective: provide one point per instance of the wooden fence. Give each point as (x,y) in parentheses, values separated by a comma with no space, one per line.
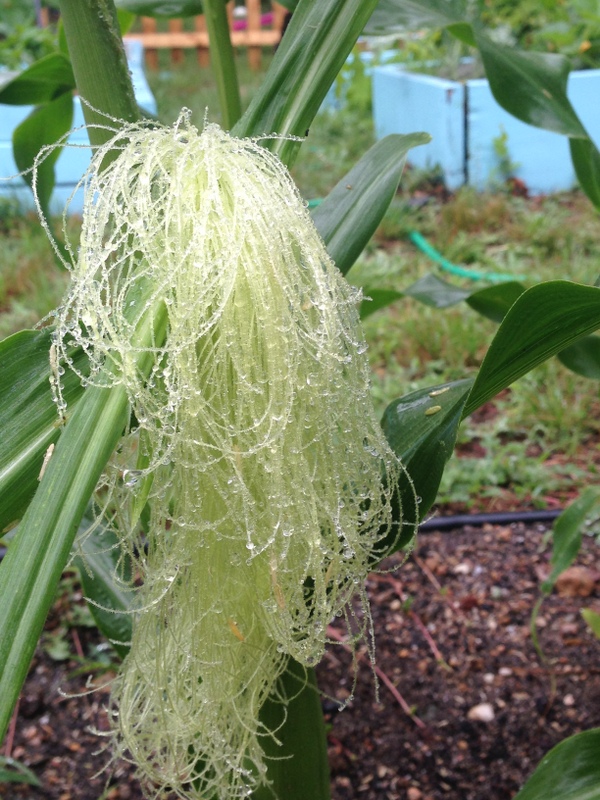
(253,31)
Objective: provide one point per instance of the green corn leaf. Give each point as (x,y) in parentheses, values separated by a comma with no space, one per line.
(98,561)
(586,161)
(583,357)
(433,291)
(570,771)
(531,86)
(317,42)
(46,125)
(161,8)
(99,65)
(31,569)
(494,302)
(544,320)
(429,290)
(126,20)
(28,416)
(376,299)
(289,4)
(43,81)
(392,16)
(350,214)
(421,429)
(298,768)
(566,535)
(223,61)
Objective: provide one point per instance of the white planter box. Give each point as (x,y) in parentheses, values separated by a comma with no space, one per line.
(73,161)
(464,120)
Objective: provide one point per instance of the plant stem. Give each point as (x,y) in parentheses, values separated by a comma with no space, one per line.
(223,61)
(100,66)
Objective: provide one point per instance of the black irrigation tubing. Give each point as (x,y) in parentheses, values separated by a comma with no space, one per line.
(447,524)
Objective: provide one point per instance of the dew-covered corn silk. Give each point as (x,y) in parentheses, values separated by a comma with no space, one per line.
(269,480)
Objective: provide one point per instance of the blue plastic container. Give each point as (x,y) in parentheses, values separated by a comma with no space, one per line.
(74,160)
(464,120)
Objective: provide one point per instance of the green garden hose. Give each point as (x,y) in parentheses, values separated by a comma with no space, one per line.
(462,272)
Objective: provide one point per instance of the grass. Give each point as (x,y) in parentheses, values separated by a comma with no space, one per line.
(538,442)
(31,284)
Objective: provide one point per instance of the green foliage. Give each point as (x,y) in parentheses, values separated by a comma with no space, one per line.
(566,535)
(506,167)
(24,44)
(572,29)
(12,771)
(570,771)
(352,211)
(161,8)
(593,620)
(98,560)
(21,41)
(422,428)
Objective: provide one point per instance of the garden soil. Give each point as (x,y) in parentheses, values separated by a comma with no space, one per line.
(463,706)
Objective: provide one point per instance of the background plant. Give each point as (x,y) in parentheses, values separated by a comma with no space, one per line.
(22,41)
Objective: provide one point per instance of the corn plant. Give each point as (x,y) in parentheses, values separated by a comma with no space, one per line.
(201,398)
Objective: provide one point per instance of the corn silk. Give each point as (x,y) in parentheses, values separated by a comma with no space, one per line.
(253,446)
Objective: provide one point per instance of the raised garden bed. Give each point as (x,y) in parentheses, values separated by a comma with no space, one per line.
(466,125)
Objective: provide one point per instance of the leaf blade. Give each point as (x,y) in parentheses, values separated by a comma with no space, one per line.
(586,162)
(531,86)
(349,215)
(423,437)
(301,731)
(31,568)
(28,416)
(312,52)
(161,8)
(566,535)
(392,16)
(570,771)
(544,320)
(45,80)
(98,560)
(494,302)
(43,128)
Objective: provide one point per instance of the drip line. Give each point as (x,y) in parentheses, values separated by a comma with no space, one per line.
(446,524)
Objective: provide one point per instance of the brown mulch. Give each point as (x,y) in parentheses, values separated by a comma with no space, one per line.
(453,639)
